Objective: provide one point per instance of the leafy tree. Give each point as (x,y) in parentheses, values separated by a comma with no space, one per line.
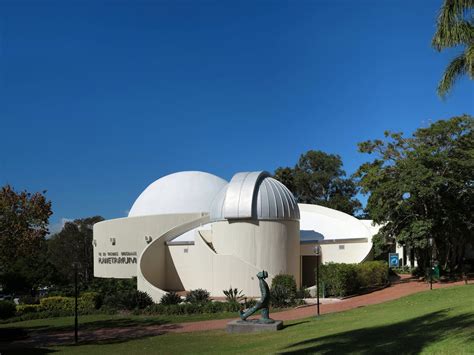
(422,187)
(73,244)
(23,226)
(318,178)
(455,27)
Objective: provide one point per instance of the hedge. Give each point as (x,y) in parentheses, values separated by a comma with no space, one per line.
(27,308)
(341,280)
(7,309)
(283,291)
(192,308)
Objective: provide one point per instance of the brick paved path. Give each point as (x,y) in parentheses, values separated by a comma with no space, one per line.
(396,290)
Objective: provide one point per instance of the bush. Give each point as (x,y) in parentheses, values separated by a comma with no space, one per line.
(197,296)
(287,281)
(7,309)
(57,304)
(339,279)
(89,301)
(170,298)
(283,291)
(372,273)
(129,300)
(192,308)
(28,299)
(27,308)
(233,295)
(63,306)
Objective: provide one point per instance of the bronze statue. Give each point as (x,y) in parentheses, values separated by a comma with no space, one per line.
(264,302)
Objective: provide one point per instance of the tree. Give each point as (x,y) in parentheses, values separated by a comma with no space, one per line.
(455,27)
(422,187)
(23,226)
(73,244)
(318,178)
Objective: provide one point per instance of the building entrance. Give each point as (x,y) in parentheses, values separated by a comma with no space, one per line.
(308,270)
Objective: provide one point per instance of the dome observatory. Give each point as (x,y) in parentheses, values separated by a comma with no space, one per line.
(192,230)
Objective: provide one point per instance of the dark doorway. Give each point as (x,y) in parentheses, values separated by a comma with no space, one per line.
(309,270)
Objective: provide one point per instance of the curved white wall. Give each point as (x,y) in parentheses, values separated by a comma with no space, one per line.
(273,246)
(130,237)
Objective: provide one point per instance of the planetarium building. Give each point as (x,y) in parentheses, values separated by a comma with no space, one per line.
(193,230)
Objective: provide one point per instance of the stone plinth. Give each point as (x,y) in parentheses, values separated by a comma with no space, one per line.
(251,326)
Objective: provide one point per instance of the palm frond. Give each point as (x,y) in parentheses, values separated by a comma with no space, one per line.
(469,54)
(450,36)
(455,69)
(452,28)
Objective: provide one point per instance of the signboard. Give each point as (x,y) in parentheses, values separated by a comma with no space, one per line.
(393,260)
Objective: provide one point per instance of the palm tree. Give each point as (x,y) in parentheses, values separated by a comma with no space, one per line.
(455,27)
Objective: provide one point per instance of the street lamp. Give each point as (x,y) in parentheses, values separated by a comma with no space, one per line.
(431,262)
(317,252)
(76,265)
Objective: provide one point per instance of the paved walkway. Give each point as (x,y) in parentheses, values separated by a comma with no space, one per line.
(396,290)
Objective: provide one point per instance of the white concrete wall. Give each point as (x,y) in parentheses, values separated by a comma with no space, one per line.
(198,266)
(129,234)
(352,253)
(273,246)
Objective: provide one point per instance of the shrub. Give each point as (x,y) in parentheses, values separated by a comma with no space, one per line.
(57,304)
(28,299)
(283,291)
(170,298)
(339,279)
(27,308)
(372,273)
(7,309)
(192,308)
(303,293)
(287,281)
(63,306)
(197,296)
(129,300)
(89,301)
(233,295)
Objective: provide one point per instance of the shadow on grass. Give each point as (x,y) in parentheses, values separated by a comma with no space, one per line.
(10,335)
(407,337)
(95,332)
(293,324)
(104,323)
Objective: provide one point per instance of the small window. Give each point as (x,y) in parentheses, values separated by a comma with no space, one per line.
(186,250)
(342,247)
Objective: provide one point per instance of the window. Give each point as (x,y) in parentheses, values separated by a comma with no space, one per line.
(342,247)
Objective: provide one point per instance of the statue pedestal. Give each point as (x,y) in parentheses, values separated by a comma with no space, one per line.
(252,325)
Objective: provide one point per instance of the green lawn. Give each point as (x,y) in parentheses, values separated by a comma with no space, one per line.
(98,321)
(438,321)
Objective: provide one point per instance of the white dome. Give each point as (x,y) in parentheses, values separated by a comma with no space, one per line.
(183,192)
(254,195)
(322,223)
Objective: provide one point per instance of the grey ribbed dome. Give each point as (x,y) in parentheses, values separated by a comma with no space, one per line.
(254,195)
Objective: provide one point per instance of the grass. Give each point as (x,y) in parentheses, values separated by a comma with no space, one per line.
(439,321)
(99,321)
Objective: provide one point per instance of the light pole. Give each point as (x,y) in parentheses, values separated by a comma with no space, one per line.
(317,252)
(76,265)
(431,262)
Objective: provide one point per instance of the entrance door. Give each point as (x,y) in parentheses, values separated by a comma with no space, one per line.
(309,270)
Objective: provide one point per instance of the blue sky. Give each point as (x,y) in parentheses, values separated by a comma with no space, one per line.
(99,99)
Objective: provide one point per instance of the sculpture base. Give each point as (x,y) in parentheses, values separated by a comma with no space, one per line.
(252,325)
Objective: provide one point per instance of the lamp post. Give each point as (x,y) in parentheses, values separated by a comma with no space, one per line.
(431,262)
(76,266)
(317,252)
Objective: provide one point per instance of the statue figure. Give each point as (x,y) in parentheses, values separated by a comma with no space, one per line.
(263,303)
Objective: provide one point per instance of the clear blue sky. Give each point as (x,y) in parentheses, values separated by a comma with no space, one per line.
(99,99)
